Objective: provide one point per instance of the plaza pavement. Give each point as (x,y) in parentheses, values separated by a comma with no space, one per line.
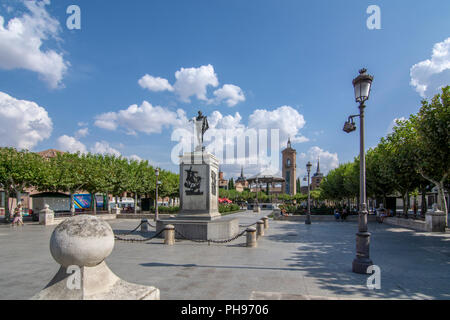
(292,261)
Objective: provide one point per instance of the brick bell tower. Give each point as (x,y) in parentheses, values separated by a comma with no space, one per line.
(289,168)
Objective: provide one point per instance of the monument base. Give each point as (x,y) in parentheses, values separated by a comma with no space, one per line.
(217,229)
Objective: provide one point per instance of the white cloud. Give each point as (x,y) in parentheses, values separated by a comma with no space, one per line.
(145,118)
(429,75)
(194,82)
(83,132)
(328,160)
(288,120)
(21,43)
(393,124)
(155,84)
(107,121)
(23,123)
(231,94)
(71,144)
(134,157)
(104,148)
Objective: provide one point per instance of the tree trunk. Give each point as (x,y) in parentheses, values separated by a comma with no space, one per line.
(7,211)
(94,203)
(442,203)
(405,205)
(423,207)
(135,203)
(72,205)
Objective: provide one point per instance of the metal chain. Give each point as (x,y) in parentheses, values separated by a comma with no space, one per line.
(251,225)
(151,225)
(134,230)
(211,241)
(139,240)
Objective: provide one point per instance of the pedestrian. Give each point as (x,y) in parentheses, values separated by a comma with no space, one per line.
(344,214)
(337,215)
(18,215)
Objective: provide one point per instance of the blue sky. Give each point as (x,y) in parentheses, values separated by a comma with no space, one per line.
(300,54)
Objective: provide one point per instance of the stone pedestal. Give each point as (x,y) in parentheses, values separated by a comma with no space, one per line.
(199,217)
(80,245)
(46,216)
(199,186)
(435,221)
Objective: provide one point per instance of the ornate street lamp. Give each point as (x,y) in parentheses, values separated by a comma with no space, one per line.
(256,209)
(362,85)
(156,196)
(308,216)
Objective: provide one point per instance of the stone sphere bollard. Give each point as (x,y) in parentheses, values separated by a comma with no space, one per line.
(260,228)
(169,235)
(83,241)
(80,245)
(251,237)
(266,222)
(144,225)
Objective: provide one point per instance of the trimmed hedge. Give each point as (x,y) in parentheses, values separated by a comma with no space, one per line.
(162,209)
(224,208)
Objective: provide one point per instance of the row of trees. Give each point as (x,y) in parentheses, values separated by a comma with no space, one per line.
(247,196)
(411,160)
(72,173)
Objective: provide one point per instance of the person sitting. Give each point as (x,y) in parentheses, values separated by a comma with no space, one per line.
(381,215)
(337,215)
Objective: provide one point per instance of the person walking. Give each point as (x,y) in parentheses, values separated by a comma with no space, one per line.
(18,218)
(344,214)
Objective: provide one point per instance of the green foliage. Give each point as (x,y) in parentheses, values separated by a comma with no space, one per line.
(168,210)
(72,173)
(227,208)
(414,155)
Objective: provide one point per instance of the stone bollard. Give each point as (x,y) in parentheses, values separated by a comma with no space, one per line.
(169,235)
(260,228)
(251,237)
(80,245)
(276,214)
(117,210)
(435,221)
(266,222)
(257,208)
(46,216)
(144,225)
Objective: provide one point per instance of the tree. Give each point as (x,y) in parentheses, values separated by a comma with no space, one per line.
(65,172)
(231,184)
(433,143)
(19,170)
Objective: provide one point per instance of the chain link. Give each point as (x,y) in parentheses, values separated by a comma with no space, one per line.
(139,240)
(211,241)
(251,225)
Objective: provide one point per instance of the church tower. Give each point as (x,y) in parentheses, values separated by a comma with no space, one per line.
(289,168)
(317,177)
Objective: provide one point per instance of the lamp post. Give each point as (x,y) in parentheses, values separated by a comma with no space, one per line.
(156,196)
(308,215)
(362,85)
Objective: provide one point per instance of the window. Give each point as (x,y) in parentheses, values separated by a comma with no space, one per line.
(288,162)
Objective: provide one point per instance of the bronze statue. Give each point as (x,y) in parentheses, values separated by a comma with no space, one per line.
(201,126)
